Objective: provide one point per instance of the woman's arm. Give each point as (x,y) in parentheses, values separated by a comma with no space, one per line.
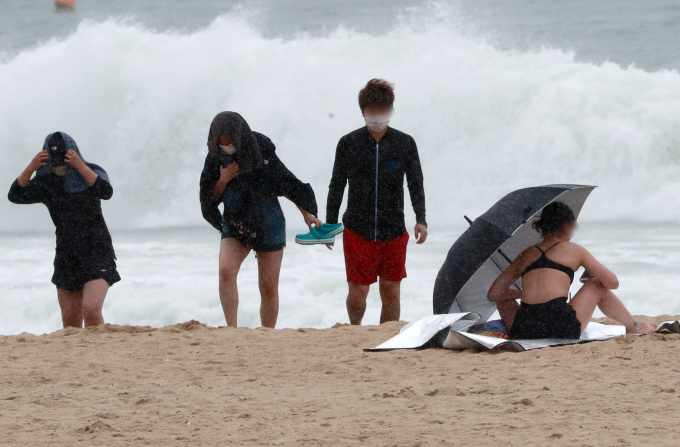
(226,175)
(33,192)
(310,219)
(286,184)
(25,192)
(99,187)
(38,161)
(73,159)
(597,270)
(209,178)
(500,289)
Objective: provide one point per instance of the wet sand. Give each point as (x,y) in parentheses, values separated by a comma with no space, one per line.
(189,384)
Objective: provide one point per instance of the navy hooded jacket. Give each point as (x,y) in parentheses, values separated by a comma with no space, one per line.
(262,176)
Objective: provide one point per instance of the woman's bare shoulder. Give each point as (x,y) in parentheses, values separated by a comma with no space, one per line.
(576,249)
(529,251)
(527,256)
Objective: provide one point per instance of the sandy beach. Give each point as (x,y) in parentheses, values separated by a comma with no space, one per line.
(190,384)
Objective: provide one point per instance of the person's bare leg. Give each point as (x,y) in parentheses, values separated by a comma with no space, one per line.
(390,295)
(356,302)
(507,310)
(94,293)
(71,304)
(232,255)
(593,294)
(269,268)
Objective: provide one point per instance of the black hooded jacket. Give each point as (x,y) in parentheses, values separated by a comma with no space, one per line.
(262,175)
(77,215)
(375,173)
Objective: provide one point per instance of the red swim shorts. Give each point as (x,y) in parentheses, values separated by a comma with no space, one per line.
(365,259)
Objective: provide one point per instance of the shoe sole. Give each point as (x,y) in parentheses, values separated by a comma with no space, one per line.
(336,232)
(315,241)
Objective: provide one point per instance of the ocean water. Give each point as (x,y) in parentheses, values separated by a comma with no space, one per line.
(170,276)
(499,95)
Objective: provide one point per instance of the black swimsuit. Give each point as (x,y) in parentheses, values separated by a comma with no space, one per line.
(553,319)
(544,263)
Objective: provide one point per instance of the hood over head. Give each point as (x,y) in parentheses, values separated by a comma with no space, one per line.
(248,153)
(74,181)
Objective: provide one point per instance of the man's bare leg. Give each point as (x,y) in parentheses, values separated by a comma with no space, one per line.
(390,295)
(71,304)
(232,255)
(94,293)
(594,294)
(356,302)
(269,269)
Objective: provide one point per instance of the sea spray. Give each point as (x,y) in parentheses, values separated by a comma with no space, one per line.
(486,121)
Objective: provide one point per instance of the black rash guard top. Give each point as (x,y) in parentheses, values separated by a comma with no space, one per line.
(375,173)
(80,227)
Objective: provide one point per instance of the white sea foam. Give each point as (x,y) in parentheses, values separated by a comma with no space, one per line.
(170,276)
(487,121)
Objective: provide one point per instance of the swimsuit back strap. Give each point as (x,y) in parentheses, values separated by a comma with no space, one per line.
(550,248)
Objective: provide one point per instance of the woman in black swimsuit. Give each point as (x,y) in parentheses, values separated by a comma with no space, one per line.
(547,271)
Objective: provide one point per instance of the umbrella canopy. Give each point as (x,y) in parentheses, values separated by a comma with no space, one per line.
(492,242)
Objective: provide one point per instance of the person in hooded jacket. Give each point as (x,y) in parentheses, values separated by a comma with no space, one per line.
(72,190)
(243,172)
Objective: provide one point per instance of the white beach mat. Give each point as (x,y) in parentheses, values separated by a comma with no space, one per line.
(449,331)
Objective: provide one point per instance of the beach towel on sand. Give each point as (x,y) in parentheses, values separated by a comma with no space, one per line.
(450,331)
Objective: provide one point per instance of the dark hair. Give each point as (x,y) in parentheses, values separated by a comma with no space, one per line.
(553,216)
(377,92)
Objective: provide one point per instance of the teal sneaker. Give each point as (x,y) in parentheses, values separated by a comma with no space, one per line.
(331,229)
(314,237)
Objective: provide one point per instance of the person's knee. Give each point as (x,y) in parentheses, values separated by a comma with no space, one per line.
(72,317)
(390,284)
(594,283)
(359,288)
(358,292)
(228,273)
(70,309)
(269,291)
(91,309)
(389,289)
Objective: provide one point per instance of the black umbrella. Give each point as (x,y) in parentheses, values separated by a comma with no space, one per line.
(492,242)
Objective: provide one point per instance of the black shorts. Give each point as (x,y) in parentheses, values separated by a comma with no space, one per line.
(554,319)
(71,273)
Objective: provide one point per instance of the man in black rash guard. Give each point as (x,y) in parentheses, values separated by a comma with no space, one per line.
(374,160)
(72,190)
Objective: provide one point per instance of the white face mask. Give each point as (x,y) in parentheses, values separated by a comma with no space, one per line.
(229,150)
(59,170)
(377,123)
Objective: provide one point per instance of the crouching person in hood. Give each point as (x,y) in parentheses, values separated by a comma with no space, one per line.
(243,172)
(72,190)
